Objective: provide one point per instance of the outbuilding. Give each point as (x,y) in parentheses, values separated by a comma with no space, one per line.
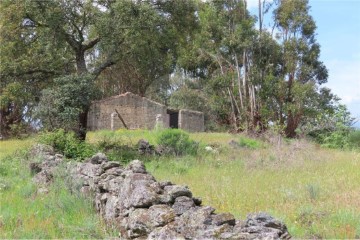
(132,111)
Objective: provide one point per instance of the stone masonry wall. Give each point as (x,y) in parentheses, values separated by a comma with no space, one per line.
(141,208)
(191,121)
(137,112)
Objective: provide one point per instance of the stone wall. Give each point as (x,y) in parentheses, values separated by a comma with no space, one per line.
(137,112)
(191,121)
(141,208)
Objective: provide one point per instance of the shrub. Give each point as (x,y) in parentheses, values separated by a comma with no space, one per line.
(67,144)
(249,143)
(116,151)
(354,139)
(177,142)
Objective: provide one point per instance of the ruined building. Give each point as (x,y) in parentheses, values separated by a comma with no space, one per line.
(132,111)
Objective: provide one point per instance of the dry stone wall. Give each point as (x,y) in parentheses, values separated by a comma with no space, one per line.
(142,208)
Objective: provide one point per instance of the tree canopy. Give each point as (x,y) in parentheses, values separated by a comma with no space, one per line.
(212,56)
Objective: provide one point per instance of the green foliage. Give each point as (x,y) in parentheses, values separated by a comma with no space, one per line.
(116,150)
(250,143)
(333,128)
(177,142)
(62,105)
(354,139)
(66,143)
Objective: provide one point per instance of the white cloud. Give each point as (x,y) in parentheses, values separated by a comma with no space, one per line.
(344,81)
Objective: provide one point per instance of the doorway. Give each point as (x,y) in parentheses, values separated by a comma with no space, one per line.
(173,118)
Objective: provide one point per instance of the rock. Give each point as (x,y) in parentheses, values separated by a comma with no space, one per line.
(223,218)
(98,158)
(136,166)
(111,211)
(182,204)
(145,148)
(35,167)
(40,150)
(197,201)
(264,226)
(194,222)
(114,171)
(136,191)
(165,183)
(43,177)
(164,233)
(90,169)
(161,215)
(175,191)
(108,165)
(138,223)
(113,185)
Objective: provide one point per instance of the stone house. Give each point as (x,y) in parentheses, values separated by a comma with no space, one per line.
(140,112)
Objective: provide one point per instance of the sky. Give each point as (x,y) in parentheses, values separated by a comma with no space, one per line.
(338,33)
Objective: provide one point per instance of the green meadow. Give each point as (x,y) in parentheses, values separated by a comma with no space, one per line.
(314,190)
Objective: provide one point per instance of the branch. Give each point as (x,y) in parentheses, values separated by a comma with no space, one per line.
(91,44)
(107,63)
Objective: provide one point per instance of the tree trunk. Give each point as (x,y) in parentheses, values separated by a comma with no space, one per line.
(292,124)
(81,131)
(80,62)
(81,69)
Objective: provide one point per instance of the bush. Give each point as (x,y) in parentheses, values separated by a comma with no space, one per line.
(67,144)
(177,142)
(354,139)
(249,143)
(116,151)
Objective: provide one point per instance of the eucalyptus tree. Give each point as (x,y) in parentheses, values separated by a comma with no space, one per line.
(301,70)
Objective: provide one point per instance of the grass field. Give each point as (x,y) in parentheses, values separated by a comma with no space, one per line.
(27,215)
(315,191)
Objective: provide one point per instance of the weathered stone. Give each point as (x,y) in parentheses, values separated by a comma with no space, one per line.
(35,167)
(111,211)
(145,148)
(136,166)
(91,170)
(40,150)
(98,158)
(164,233)
(197,201)
(165,183)
(43,177)
(113,185)
(138,223)
(114,171)
(182,204)
(108,165)
(194,221)
(177,191)
(223,218)
(161,215)
(136,191)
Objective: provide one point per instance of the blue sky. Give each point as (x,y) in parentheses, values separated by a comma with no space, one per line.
(338,33)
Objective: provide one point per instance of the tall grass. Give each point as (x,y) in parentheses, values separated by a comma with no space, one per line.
(315,191)
(28,215)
